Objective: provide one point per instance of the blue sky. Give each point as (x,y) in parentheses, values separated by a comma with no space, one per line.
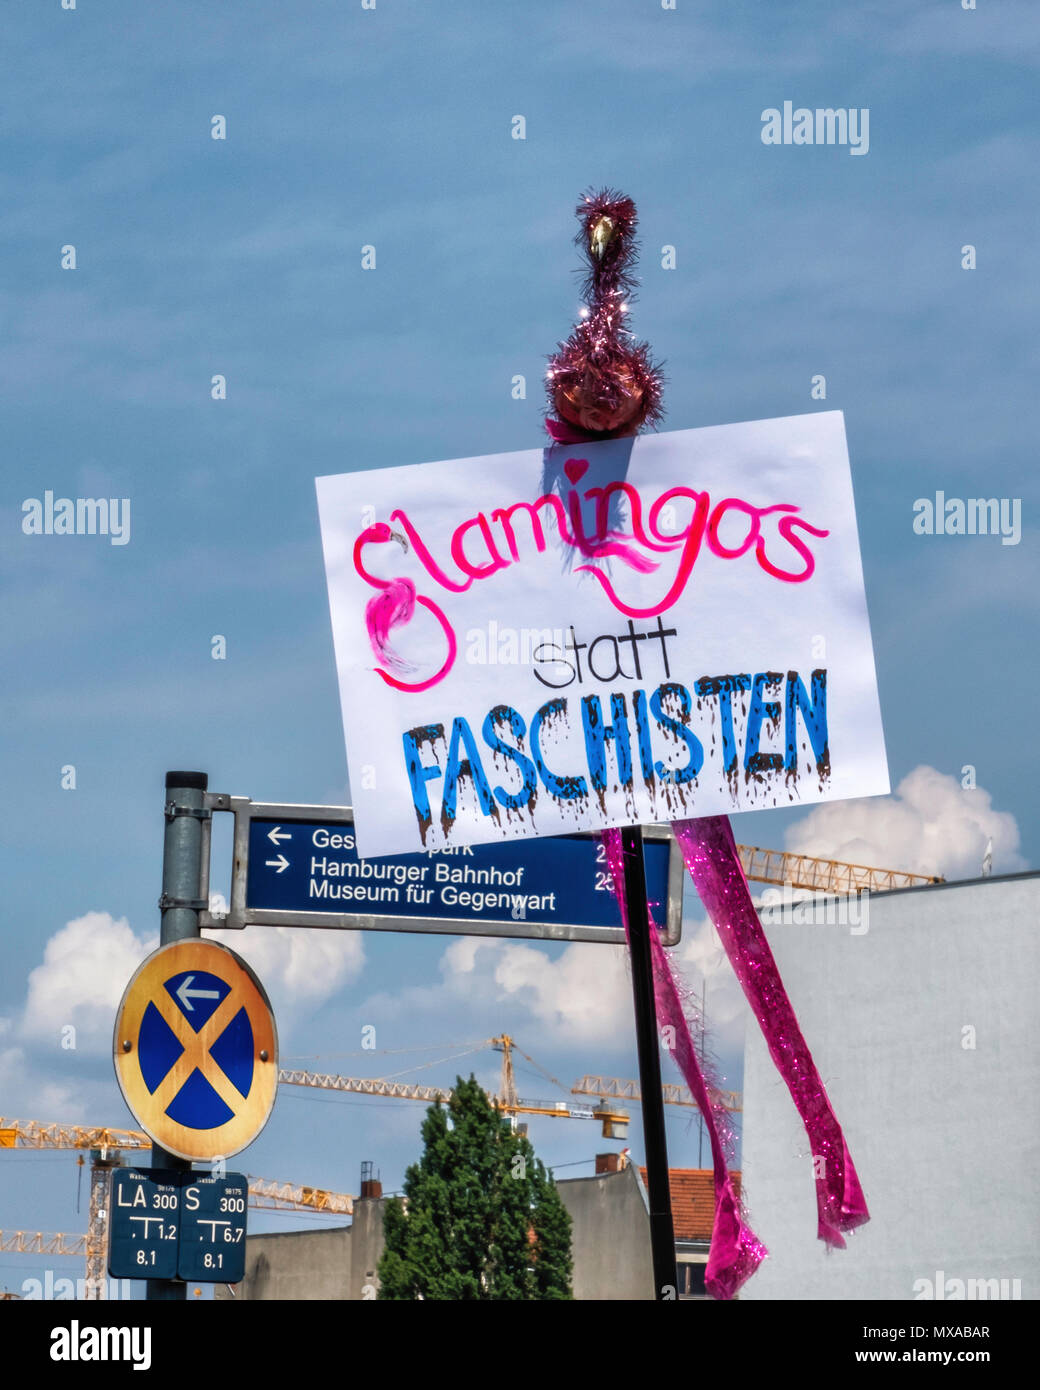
(392,127)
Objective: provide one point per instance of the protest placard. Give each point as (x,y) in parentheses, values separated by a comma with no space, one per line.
(637,630)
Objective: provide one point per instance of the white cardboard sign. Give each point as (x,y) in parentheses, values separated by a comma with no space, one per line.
(602,634)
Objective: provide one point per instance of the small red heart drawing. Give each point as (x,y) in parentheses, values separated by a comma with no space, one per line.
(576,468)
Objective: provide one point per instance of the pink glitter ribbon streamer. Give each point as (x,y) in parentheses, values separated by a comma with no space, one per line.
(713,861)
(736,1252)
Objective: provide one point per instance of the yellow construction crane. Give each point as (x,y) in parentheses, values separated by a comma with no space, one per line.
(42,1243)
(826,875)
(614,1087)
(614,1119)
(30,1134)
(106,1147)
(266,1195)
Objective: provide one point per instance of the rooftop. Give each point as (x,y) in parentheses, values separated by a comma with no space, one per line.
(693,1200)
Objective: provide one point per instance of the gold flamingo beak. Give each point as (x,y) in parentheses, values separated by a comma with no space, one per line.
(601,235)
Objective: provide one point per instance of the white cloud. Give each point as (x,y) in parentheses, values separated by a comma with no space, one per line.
(11,1062)
(930,825)
(584,996)
(28,1094)
(86,967)
(88,964)
(297,966)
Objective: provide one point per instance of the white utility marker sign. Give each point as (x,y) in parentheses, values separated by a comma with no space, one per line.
(602,634)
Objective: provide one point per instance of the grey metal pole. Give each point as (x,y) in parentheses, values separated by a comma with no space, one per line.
(180,906)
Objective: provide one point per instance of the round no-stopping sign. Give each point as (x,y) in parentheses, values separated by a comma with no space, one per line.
(196,1051)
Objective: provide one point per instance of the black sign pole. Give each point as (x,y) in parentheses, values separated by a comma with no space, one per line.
(662,1232)
(180,906)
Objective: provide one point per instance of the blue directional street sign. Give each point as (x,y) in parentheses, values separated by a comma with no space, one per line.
(143,1223)
(298,866)
(212,1246)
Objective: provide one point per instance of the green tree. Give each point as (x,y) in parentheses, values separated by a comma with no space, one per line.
(481,1217)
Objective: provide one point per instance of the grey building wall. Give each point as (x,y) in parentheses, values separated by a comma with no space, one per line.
(294,1265)
(945,1136)
(336,1263)
(610,1236)
(610,1241)
(366,1246)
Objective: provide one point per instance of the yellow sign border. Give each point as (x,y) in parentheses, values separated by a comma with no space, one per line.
(146,987)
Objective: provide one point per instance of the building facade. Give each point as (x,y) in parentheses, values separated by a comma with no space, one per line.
(923,1024)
